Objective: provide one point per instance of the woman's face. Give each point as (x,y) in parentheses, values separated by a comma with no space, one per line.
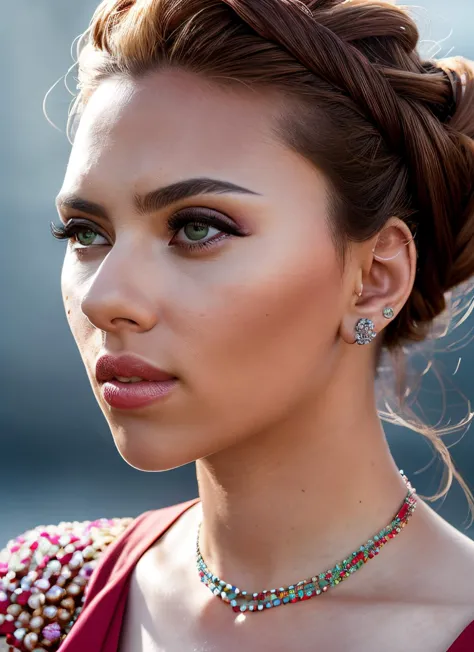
(248,324)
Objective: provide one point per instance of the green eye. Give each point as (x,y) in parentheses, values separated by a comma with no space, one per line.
(195,231)
(88,239)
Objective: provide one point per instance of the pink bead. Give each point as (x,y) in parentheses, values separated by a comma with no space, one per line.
(23,597)
(51,632)
(44,562)
(65,559)
(8,627)
(4,602)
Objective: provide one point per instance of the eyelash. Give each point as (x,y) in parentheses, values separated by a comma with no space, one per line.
(176,222)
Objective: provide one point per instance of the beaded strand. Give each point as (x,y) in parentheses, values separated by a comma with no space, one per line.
(241,601)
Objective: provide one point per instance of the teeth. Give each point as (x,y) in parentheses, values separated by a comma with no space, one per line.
(133,379)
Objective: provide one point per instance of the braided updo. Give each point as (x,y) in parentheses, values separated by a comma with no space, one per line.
(399,130)
(392,132)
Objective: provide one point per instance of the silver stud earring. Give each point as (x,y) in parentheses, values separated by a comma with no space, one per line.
(365,331)
(388,313)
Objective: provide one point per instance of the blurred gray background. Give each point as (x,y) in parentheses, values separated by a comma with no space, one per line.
(57,458)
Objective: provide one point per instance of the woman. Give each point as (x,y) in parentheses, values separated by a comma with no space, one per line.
(263,197)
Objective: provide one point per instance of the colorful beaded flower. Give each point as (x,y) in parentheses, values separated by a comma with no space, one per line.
(44,575)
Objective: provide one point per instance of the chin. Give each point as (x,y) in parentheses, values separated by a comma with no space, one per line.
(155,450)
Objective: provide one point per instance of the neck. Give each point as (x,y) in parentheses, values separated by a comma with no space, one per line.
(293,501)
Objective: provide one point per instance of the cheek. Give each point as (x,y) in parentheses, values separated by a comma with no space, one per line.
(271,332)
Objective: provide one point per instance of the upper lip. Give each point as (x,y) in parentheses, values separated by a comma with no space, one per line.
(128,365)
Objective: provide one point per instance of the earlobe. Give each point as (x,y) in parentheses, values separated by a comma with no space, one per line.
(364,331)
(365,328)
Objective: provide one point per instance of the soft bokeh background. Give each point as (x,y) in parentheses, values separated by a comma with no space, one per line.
(57,458)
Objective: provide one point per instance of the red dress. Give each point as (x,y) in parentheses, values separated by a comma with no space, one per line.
(99,624)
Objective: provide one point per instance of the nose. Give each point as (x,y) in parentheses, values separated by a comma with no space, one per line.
(122,292)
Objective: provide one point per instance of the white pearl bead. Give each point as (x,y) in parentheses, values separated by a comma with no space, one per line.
(50,611)
(14,610)
(20,633)
(36,600)
(36,622)
(54,565)
(30,640)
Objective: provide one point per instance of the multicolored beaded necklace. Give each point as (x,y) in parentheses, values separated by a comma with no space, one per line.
(305,589)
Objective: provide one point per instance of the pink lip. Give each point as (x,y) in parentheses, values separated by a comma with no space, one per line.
(135,395)
(156,384)
(109,366)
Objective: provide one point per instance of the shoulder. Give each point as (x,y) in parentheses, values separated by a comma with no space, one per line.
(456,564)
(444,559)
(440,579)
(44,574)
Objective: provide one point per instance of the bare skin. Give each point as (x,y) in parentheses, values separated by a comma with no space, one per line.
(274,401)
(408,598)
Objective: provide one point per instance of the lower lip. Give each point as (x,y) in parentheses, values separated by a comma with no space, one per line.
(135,395)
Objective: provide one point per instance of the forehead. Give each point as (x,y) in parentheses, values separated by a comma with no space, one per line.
(137,135)
(174,120)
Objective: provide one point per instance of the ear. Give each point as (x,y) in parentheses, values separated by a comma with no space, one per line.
(385,274)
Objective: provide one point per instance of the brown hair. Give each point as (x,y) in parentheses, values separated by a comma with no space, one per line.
(398,131)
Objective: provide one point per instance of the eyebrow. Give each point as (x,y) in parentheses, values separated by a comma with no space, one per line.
(157,199)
